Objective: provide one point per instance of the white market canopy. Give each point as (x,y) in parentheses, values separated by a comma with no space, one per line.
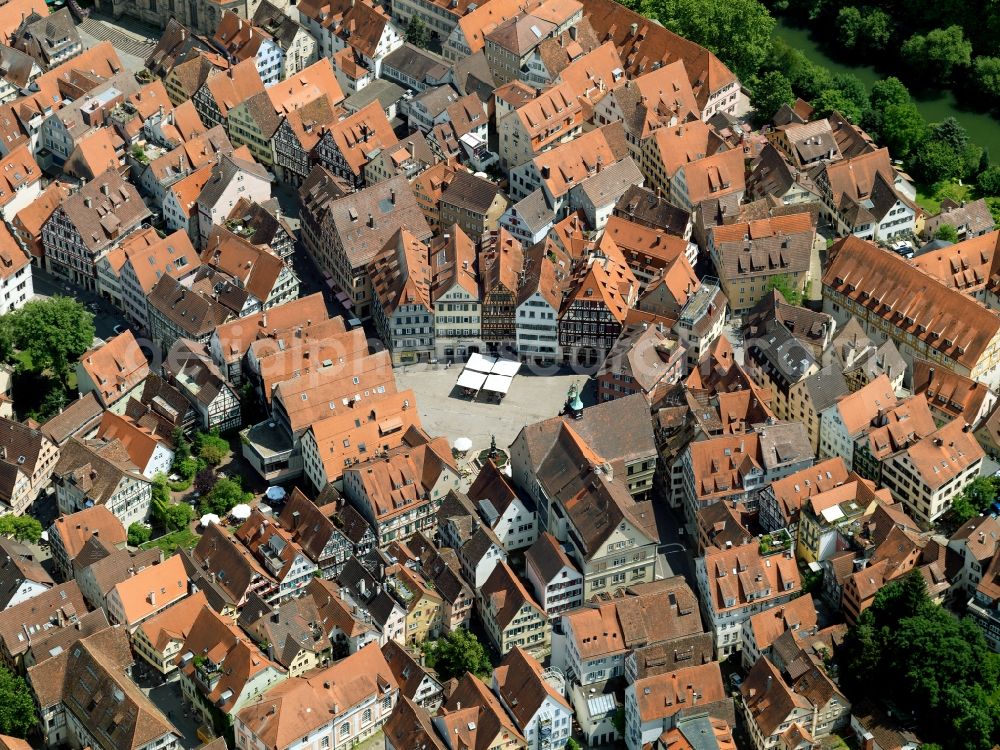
(463,444)
(506,367)
(209,518)
(240,512)
(471,379)
(479,363)
(498,383)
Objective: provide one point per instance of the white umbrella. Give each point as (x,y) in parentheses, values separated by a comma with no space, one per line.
(276,494)
(463,444)
(240,512)
(209,518)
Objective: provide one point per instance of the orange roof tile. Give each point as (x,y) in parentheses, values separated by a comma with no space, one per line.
(116,367)
(151,590)
(912,302)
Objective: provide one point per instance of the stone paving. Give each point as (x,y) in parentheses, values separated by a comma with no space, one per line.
(444,411)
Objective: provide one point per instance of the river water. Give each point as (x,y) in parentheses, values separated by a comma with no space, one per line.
(982,128)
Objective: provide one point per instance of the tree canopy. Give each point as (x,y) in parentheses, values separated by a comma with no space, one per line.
(54,332)
(770,93)
(417,33)
(211,448)
(940,670)
(977,497)
(738,31)
(224,496)
(17,706)
(456,653)
(939,53)
(138,533)
(21,528)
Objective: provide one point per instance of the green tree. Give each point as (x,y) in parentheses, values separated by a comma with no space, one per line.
(939,54)
(941,670)
(834,100)
(986,76)
(782,284)
(769,93)
(138,533)
(17,706)
(54,332)
(212,449)
(224,496)
(976,498)
(738,31)
(21,528)
(53,403)
(457,653)
(416,33)
(988,181)
(936,161)
(889,91)
(849,27)
(572,744)
(902,129)
(946,232)
(876,32)
(178,516)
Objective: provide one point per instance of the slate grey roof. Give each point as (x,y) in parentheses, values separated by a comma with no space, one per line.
(611,182)
(277,23)
(826,386)
(386,93)
(419,64)
(533,211)
(642,206)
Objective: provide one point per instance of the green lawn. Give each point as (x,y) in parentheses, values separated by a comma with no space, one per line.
(24,359)
(929,197)
(169,543)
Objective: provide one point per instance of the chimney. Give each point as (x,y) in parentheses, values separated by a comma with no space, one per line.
(106,189)
(572,33)
(371,221)
(88,202)
(392,196)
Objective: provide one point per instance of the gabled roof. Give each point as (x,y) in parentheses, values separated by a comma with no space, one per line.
(116,367)
(507,595)
(76,528)
(139,443)
(91,680)
(299,705)
(474,717)
(151,589)
(235,337)
(647,615)
(661,697)
(523,688)
(174,623)
(224,646)
(652,43)
(234,86)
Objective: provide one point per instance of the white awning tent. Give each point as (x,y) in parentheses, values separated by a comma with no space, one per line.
(479,363)
(463,444)
(506,367)
(498,384)
(241,512)
(209,518)
(471,380)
